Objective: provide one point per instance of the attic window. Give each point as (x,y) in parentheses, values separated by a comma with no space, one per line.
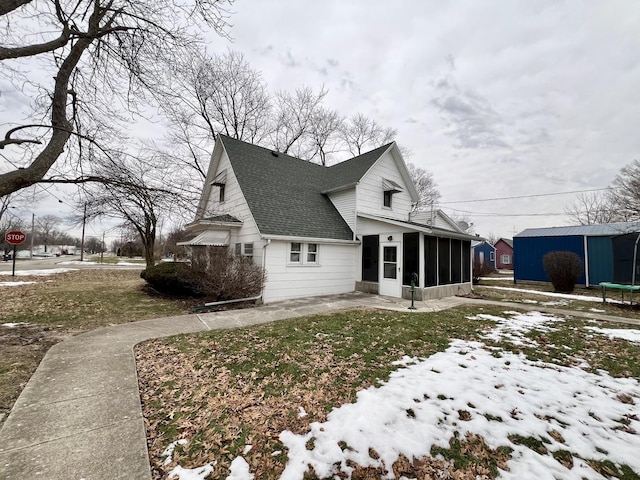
(221,198)
(387,198)
(389,187)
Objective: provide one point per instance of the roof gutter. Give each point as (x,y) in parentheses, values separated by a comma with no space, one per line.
(288,238)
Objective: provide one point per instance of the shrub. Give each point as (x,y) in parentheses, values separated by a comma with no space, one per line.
(175,278)
(480,270)
(563,269)
(214,272)
(228,276)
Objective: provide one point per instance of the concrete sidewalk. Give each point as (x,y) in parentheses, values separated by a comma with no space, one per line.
(80,417)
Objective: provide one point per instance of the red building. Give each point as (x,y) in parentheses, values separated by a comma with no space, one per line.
(504,254)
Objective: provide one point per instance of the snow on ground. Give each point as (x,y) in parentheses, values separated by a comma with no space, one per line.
(14,284)
(485,391)
(623,333)
(40,273)
(419,406)
(569,296)
(505,278)
(14,325)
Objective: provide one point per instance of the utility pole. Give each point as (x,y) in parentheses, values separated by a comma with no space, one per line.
(84,220)
(33,224)
(102,249)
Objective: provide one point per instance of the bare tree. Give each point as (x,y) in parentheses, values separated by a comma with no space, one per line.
(361,133)
(100,55)
(492,238)
(324,134)
(425,185)
(47,232)
(592,208)
(215,94)
(292,121)
(138,191)
(625,193)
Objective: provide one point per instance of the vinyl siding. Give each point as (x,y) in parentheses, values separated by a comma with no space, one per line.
(235,205)
(335,273)
(345,203)
(370,192)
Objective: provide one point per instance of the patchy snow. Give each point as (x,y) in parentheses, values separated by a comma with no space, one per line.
(199,473)
(40,273)
(569,296)
(180,473)
(501,279)
(239,470)
(302,412)
(247,448)
(597,310)
(14,325)
(501,395)
(623,333)
(168,452)
(14,284)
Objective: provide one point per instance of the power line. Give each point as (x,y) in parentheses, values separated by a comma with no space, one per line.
(526,196)
(489,214)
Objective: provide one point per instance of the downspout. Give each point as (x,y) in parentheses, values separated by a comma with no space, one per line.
(635,255)
(586,261)
(264,264)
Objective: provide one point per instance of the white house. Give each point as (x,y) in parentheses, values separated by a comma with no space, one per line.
(326,230)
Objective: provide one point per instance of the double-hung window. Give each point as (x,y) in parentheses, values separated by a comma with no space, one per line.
(312,253)
(304,253)
(295,255)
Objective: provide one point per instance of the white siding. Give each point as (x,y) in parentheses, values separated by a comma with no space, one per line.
(335,274)
(235,204)
(345,203)
(369,190)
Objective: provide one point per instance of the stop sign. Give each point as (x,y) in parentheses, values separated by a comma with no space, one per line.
(15,237)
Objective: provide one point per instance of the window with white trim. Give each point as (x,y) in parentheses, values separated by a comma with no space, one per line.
(248,250)
(492,256)
(295,252)
(221,197)
(312,253)
(505,259)
(238,249)
(304,253)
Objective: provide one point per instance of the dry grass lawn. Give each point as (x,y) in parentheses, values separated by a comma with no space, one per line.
(61,305)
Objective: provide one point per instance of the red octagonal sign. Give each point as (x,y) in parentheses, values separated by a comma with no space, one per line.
(15,237)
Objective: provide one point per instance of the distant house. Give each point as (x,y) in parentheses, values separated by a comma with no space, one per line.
(320,230)
(504,254)
(606,250)
(484,253)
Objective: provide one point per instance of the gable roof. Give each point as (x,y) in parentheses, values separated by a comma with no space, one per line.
(349,172)
(508,241)
(599,230)
(293,188)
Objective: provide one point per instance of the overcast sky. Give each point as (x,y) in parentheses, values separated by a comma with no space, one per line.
(495,98)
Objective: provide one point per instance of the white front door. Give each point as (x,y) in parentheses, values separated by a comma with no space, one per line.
(390,274)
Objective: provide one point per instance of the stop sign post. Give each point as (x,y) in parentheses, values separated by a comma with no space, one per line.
(15,238)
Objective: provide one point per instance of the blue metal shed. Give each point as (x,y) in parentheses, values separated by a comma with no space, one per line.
(592,243)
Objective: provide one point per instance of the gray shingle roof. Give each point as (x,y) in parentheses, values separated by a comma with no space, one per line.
(601,230)
(284,192)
